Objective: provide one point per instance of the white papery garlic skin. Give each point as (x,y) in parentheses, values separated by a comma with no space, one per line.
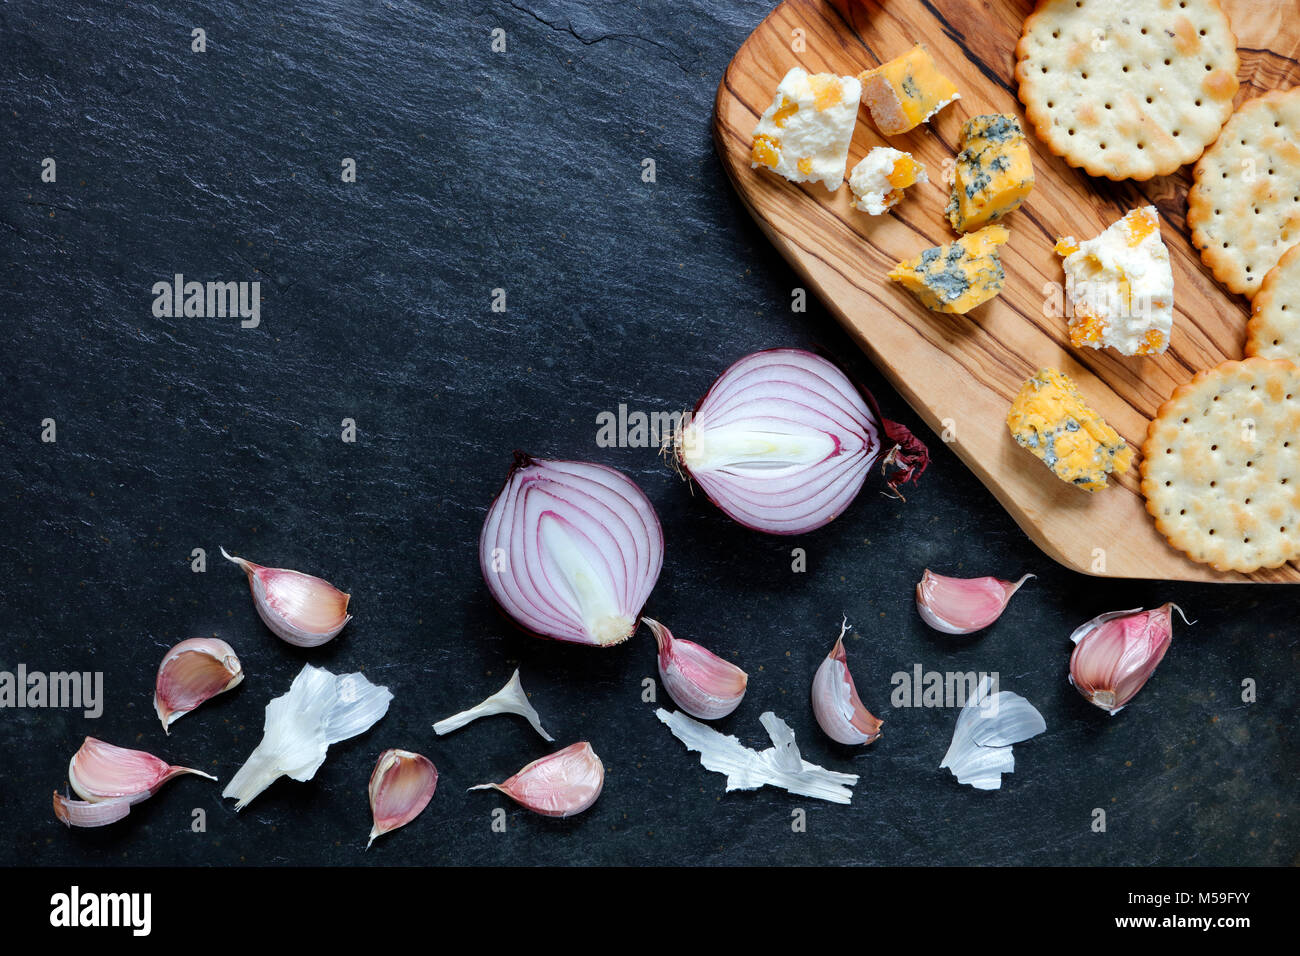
(699,681)
(320,709)
(839,711)
(510,699)
(401,786)
(303,610)
(988,725)
(963,605)
(191,672)
(559,784)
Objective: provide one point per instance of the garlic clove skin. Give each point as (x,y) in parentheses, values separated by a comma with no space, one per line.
(100,771)
(302,610)
(558,785)
(191,672)
(988,727)
(401,786)
(835,702)
(83,813)
(963,605)
(320,709)
(1117,652)
(699,681)
(510,699)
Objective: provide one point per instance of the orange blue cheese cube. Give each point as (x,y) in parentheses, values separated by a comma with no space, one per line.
(994,172)
(959,276)
(1051,419)
(905,92)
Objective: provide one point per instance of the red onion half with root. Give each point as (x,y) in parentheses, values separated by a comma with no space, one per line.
(783,442)
(571,550)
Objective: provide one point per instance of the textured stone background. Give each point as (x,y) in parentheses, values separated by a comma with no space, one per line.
(480,170)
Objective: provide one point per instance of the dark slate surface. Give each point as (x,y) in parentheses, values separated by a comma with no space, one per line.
(479,170)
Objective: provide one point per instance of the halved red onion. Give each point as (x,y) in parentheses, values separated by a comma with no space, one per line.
(783,441)
(571,550)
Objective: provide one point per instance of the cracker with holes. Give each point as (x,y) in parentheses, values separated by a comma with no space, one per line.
(1244,204)
(1221,466)
(1127,90)
(1274,327)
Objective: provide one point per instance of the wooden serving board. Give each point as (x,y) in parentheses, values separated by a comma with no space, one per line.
(960,373)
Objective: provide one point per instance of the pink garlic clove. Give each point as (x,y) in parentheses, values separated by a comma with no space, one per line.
(83,813)
(100,771)
(963,605)
(835,702)
(699,681)
(191,672)
(401,786)
(559,784)
(303,610)
(1115,654)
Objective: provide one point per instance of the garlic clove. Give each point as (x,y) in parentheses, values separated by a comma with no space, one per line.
(1117,652)
(401,786)
(83,813)
(963,605)
(510,699)
(191,672)
(303,610)
(100,771)
(699,681)
(320,709)
(559,784)
(835,701)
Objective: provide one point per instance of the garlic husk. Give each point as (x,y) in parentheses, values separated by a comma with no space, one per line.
(84,813)
(835,702)
(303,610)
(101,771)
(320,709)
(1117,652)
(401,786)
(510,699)
(781,765)
(191,672)
(699,681)
(559,784)
(963,605)
(987,727)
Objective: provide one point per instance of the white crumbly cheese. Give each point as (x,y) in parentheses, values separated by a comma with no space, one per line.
(870,180)
(1120,286)
(804,135)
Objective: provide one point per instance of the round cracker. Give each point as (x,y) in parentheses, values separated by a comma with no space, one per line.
(1127,90)
(1274,327)
(1221,466)
(1244,204)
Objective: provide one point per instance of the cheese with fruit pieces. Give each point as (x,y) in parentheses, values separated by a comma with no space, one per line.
(956,277)
(904,93)
(804,135)
(1120,286)
(879,180)
(994,172)
(1051,419)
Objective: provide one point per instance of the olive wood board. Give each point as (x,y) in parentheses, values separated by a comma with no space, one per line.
(960,373)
